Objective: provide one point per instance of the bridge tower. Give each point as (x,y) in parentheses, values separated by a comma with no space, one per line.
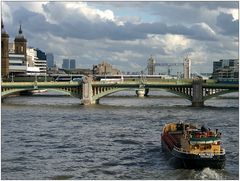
(151,66)
(187,68)
(4,50)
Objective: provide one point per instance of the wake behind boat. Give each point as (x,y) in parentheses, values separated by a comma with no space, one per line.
(193,147)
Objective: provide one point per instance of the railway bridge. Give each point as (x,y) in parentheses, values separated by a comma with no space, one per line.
(90,92)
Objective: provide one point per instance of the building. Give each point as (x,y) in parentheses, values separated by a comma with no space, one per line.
(105,68)
(151,66)
(18,54)
(4,52)
(20,43)
(72,64)
(50,60)
(65,64)
(36,62)
(17,64)
(187,68)
(13,57)
(79,71)
(41,61)
(41,55)
(17,59)
(226,69)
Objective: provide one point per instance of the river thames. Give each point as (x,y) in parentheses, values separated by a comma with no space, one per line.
(54,137)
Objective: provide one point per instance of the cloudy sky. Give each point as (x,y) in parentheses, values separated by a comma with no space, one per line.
(125,34)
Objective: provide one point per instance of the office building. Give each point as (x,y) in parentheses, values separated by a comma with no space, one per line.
(65,64)
(226,68)
(72,64)
(37,63)
(50,60)
(17,65)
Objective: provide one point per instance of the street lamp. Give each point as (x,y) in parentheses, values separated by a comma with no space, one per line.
(12,77)
(35,77)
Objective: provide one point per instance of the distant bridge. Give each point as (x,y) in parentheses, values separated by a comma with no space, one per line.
(90,92)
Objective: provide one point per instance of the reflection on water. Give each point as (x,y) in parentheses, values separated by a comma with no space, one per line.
(57,138)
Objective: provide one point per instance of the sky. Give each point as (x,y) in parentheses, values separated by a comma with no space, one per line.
(126,34)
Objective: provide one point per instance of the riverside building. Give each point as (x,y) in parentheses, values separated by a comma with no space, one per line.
(72,64)
(37,63)
(105,68)
(65,64)
(226,69)
(17,59)
(16,52)
(50,60)
(4,52)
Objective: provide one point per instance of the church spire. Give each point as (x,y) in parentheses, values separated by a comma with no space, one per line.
(20,28)
(20,36)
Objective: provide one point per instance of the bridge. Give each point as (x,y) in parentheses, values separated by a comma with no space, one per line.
(90,92)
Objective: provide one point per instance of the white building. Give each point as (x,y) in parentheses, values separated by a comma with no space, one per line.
(17,64)
(34,64)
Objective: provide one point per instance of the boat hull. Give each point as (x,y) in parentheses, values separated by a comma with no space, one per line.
(193,161)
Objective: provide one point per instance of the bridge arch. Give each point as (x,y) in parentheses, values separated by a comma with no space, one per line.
(9,92)
(98,96)
(107,92)
(6,93)
(218,94)
(186,96)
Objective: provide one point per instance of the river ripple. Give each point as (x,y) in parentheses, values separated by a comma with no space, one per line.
(56,138)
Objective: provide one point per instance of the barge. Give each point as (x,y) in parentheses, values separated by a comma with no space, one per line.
(193,147)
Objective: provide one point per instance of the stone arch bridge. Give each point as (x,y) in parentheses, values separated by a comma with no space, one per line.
(89,92)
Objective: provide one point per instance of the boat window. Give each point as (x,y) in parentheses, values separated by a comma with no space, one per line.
(196,146)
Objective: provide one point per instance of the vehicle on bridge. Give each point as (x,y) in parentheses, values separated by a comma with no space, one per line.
(65,78)
(112,80)
(193,147)
(228,81)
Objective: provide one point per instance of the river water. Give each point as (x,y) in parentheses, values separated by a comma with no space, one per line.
(53,137)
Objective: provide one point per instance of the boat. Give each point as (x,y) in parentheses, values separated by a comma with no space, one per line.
(38,91)
(193,147)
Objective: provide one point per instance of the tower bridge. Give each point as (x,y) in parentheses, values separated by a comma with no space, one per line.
(90,92)
(186,66)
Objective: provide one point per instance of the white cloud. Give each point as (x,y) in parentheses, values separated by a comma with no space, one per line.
(91,34)
(90,13)
(173,43)
(126,56)
(7,14)
(232,11)
(235,13)
(74,10)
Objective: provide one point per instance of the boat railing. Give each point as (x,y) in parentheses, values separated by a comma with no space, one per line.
(221,152)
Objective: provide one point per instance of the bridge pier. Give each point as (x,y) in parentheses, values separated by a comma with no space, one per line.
(146,92)
(197,98)
(140,92)
(87,93)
